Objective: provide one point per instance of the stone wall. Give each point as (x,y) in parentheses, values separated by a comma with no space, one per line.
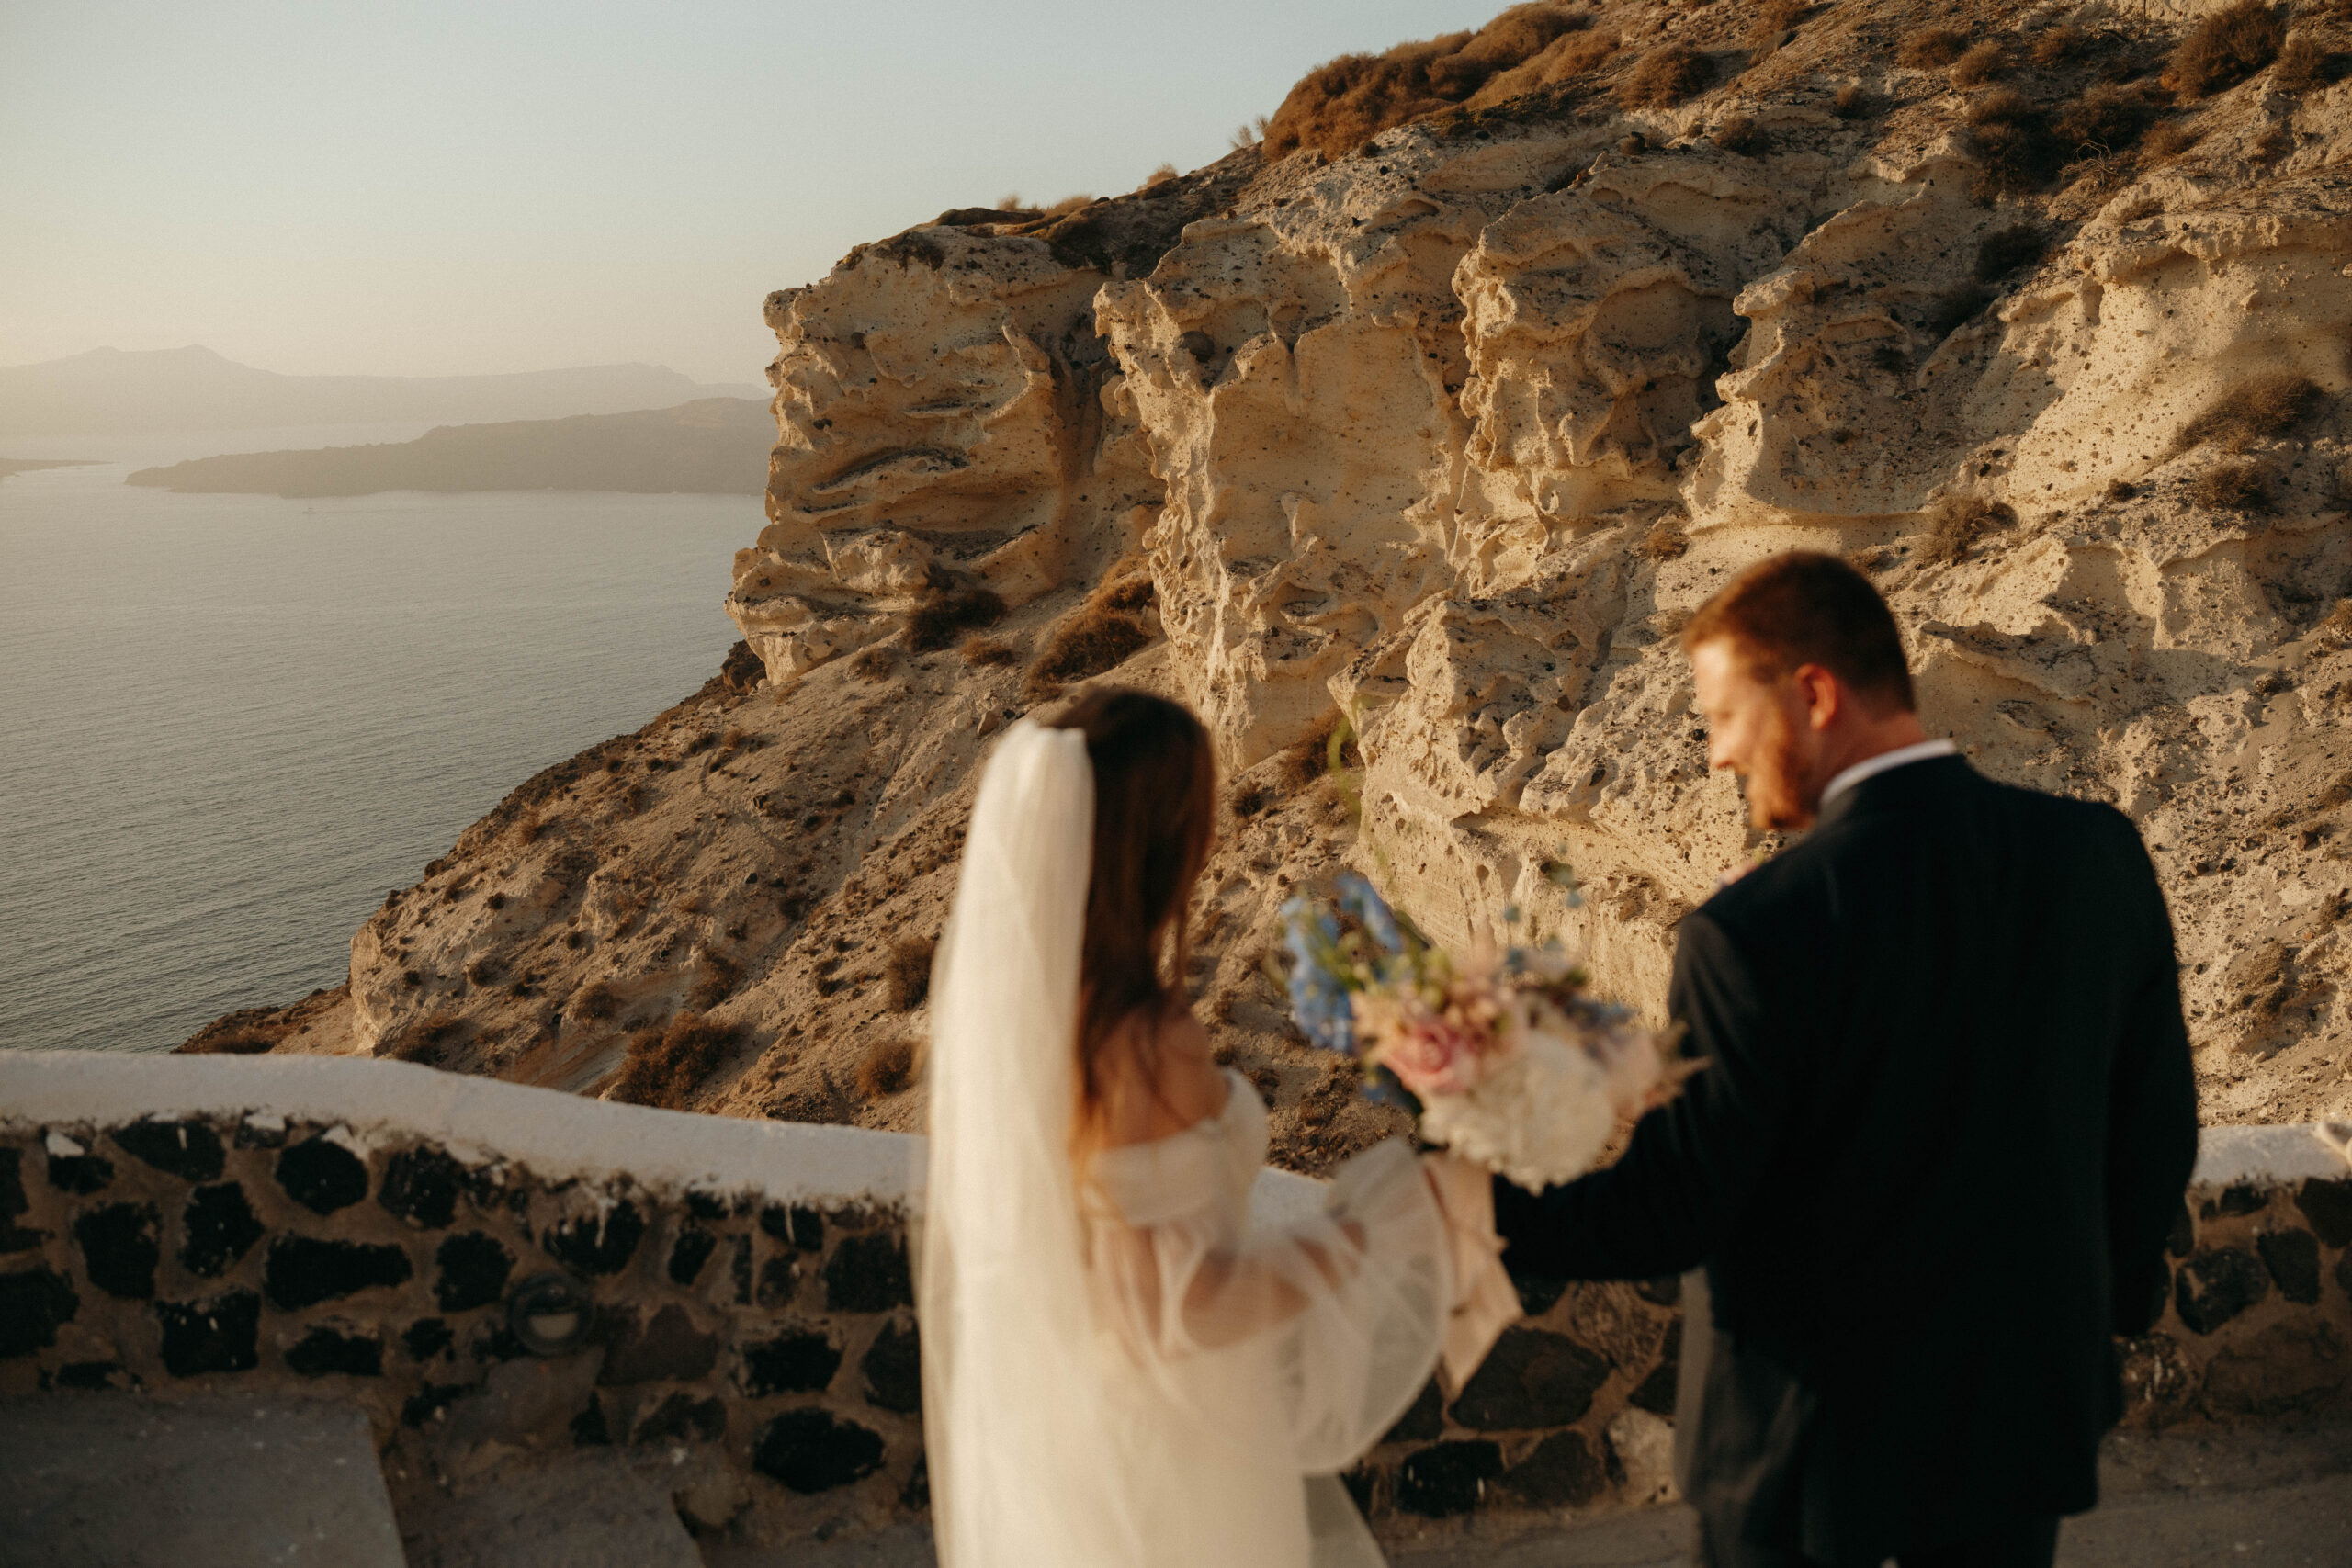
(360,1230)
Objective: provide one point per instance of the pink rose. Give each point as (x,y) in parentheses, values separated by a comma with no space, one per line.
(1430,1056)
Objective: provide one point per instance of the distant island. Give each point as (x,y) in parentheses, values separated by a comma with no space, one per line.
(712,445)
(108,392)
(27,465)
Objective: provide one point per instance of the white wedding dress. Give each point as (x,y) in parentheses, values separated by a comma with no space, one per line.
(1120,1372)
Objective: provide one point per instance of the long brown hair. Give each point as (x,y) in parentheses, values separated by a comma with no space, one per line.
(1155,816)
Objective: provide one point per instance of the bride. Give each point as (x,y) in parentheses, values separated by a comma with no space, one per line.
(1119,1370)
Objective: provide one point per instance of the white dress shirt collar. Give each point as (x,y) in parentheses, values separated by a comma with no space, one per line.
(1870,767)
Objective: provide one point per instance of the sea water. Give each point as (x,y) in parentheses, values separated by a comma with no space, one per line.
(230,724)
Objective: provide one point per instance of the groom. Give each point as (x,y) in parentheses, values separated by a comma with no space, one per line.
(1943,1130)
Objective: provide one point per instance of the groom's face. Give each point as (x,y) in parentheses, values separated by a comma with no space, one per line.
(1760,728)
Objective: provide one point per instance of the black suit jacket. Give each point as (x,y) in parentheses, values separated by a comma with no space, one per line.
(1944,1127)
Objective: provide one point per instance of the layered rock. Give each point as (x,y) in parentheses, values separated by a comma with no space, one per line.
(1447,437)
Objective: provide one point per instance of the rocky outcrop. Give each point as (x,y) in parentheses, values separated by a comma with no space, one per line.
(1446,437)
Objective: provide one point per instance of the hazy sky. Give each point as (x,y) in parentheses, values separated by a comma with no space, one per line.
(417,189)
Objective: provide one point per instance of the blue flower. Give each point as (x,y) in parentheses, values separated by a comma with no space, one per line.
(1318,998)
(1358,899)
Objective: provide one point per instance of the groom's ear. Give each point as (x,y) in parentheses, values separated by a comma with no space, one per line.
(1824,697)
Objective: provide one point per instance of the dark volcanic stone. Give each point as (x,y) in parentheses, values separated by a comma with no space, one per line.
(2239,1200)
(1424,1419)
(588,1429)
(1446,1479)
(1536,1295)
(119,1249)
(683,1419)
(778,1278)
(601,1245)
(473,1271)
(796,1225)
(323,1352)
(323,1176)
(869,1273)
(1656,1393)
(1530,1379)
(421,1186)
(91,1375)
(80,1173)
(916,1495)
(893,1370)
(739,1270)
(425,1338)
(302,1271)
(2183,1239)
(809,1450)
(219,1335)
(14,1204)
(1561,1473)
(219,1227)
(706,1205)
(2328,1206)
(2216,1284)
(667,1349)
(428,1402)
(799,1362)
(34,1303)
(2292,1258)
(189,1150)
(689,1253)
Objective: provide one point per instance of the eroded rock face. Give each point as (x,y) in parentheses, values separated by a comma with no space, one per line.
(1452,436)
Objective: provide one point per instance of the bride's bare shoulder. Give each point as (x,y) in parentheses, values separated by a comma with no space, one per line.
(1158,1077)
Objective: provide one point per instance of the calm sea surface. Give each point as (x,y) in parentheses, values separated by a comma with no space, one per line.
(229,723)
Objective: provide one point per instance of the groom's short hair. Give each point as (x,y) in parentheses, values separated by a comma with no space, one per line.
(1807,608)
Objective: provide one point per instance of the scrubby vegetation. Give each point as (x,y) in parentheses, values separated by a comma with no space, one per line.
(1983,63)
(1958,522)
(2226,49)
(1101,635)
(1339,106)
(947,616)
(667,1064)
(1929,48)
(906,973)
(887,1067)
(1665,76)
(2260,409)
(2233,487)
(984,651)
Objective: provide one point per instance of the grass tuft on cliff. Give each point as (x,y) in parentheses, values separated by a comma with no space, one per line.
(666,1065)
(2226,49)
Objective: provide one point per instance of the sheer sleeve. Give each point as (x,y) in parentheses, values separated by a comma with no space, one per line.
(1352,1303)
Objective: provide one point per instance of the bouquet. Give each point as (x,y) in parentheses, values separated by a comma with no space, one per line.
(1511,1062)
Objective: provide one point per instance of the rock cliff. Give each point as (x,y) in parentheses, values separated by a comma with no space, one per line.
(2040,313)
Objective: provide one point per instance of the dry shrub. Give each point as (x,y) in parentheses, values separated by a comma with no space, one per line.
(425,1040)
(1927,48)
(1958,522)
(2003,250)
(1313,758)
(664,1066)
(873,663)
(1069,205)
(2304,66)
(528,829)
(597,1000)
(1012,203)
(1854,102)
(1986,62)
(1664,542)
(1101,634)
(1158,177)
(2059,44)
(1772,22)
(213,1040)
(633,799)
(2108,119)
(2013,143)
(2233,487)
(1342,104)
(2274,143)
(906,973)
(1738,133)
(982,652)
(2121,491)
(716,978)
(2259,409)
(886,1067)
(939,623)
(2226,49)
(2169,140)
(1665,76)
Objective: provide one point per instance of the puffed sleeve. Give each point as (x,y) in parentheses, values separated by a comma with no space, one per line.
(1355,1301)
